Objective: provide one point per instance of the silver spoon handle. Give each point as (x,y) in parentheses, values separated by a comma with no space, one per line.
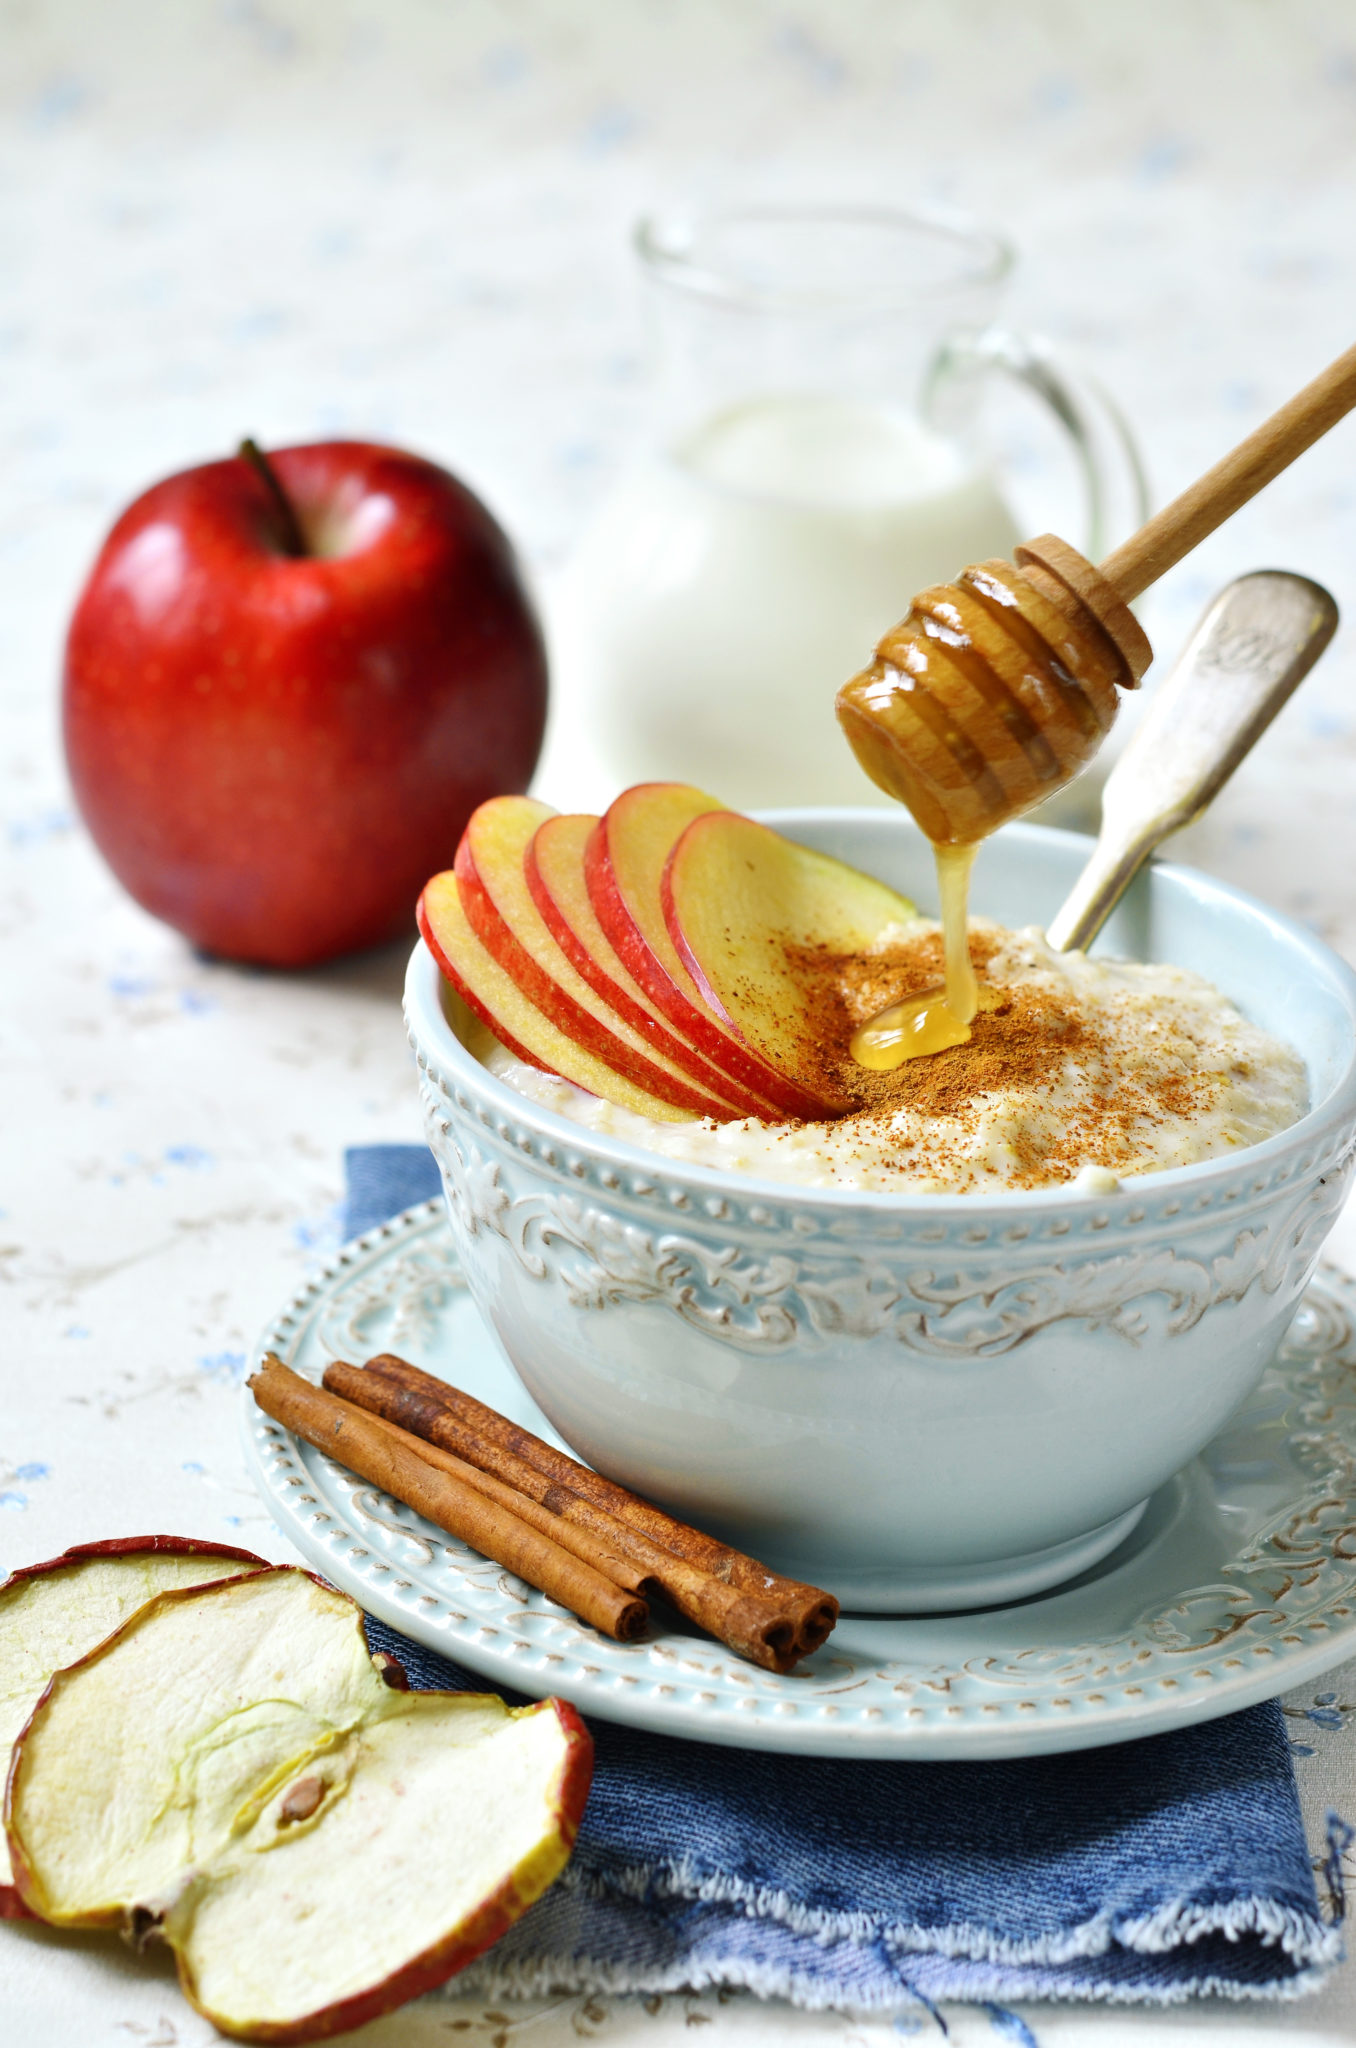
(1254,645)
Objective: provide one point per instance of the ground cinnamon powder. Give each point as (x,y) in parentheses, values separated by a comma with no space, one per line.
(1032,1043)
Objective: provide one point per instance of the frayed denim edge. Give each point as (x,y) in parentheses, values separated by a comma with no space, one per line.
(544,1977)
(1309,1944)
(1180,1922)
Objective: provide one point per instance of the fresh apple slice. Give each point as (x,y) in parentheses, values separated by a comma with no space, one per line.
(742,903)
(555,875)
(55,1612)
(624,864)
(514,1018)
(492,885)
(230,1772)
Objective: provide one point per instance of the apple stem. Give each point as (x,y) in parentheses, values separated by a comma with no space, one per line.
(293,539)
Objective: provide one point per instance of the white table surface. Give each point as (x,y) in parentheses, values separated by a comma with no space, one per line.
(299,219)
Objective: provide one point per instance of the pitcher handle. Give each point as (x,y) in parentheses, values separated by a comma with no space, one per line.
(1103,445)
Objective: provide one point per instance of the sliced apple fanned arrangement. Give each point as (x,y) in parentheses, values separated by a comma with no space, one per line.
(232,1771)
(655,956)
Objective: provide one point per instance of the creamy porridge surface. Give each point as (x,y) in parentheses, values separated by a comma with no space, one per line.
(1125,1069)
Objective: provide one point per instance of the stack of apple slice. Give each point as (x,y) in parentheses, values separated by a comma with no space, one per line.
(653,956)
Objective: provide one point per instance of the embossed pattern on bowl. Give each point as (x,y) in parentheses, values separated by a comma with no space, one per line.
(920,1402)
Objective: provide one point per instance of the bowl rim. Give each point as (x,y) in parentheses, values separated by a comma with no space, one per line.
(433,1036)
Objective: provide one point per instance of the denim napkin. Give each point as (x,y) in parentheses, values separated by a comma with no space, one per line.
(1151,1871)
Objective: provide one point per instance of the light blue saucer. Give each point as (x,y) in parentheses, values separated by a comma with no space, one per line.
(1238,1581)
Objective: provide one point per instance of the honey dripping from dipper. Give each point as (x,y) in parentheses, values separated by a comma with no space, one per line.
(993,692)
(941,1016)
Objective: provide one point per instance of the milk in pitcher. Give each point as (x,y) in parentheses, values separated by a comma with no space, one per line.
(813,459)
(730,587)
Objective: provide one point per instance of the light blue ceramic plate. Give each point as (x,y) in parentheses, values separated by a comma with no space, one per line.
(1238,1583)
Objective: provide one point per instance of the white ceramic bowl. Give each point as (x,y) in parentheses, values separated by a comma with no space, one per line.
(918,1401)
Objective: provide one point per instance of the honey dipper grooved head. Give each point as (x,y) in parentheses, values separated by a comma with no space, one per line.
(1095,594)
(994,690)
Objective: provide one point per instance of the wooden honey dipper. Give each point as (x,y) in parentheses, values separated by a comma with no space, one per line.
(995,690)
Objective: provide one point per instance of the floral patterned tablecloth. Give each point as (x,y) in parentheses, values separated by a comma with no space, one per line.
(407,221)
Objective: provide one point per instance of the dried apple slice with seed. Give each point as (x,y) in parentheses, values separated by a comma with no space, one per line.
(230,1772)
(53,1613)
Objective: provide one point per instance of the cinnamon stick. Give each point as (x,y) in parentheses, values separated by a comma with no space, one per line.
(773,1621)
(720,1559)
(376,1453)
(582,1542)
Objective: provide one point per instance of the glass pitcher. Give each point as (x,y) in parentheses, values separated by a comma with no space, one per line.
(814,460)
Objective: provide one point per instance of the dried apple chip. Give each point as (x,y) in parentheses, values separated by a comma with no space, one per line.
(232,1773)
(55,1612)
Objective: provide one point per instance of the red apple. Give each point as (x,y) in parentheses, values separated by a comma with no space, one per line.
(274,749)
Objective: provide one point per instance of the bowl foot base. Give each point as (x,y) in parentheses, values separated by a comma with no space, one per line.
(942,1589)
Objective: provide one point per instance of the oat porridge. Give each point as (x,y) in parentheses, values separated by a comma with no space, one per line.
(1083,1070)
